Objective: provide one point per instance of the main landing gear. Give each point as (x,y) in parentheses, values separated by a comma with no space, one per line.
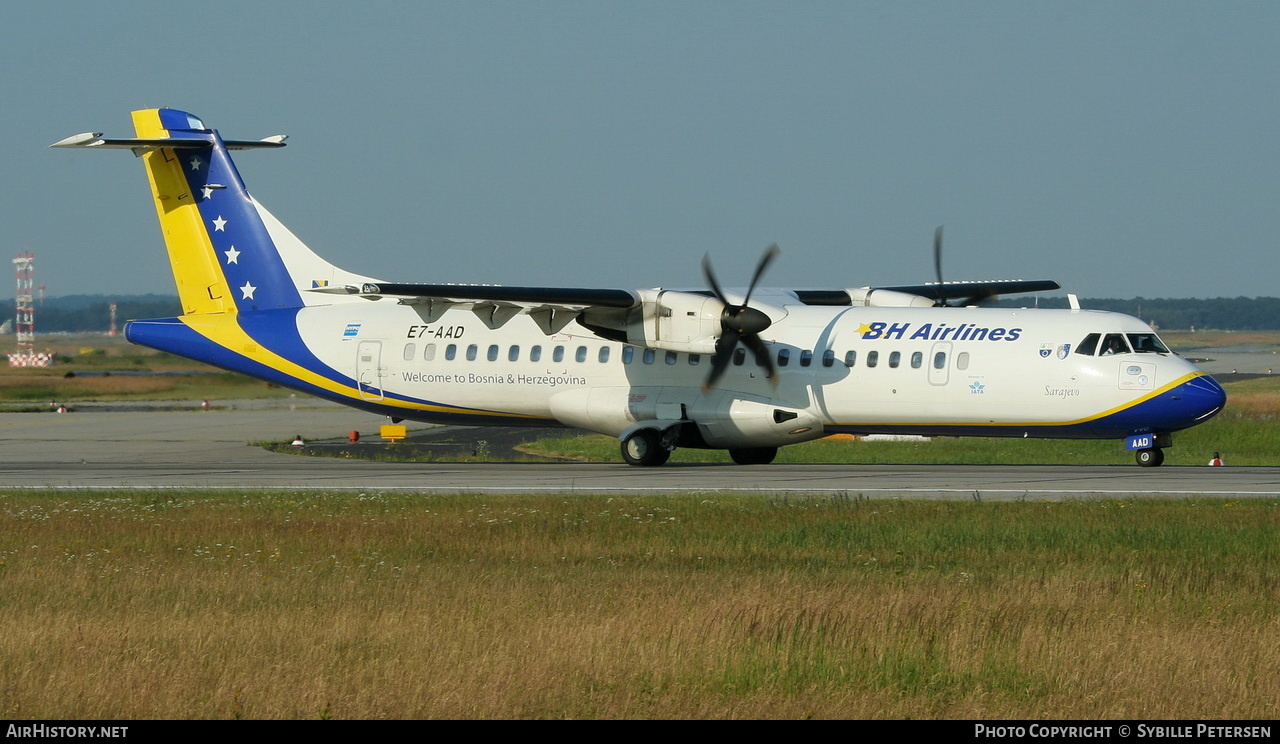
(1151,457)
(647,448)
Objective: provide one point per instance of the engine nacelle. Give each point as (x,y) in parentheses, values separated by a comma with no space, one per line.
(676,321)
(734,421)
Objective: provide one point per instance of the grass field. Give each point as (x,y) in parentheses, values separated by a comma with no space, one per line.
(312,605)
(401,606)
(93,367)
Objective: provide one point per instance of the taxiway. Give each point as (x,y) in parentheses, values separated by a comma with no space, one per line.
(172,449)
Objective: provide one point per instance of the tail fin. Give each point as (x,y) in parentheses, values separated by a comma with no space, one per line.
(227,252)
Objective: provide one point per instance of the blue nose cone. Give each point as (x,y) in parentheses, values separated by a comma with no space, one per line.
(1201,399)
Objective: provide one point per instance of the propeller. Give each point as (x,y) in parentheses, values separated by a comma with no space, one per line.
(941,300)
(937,264)
(740,323)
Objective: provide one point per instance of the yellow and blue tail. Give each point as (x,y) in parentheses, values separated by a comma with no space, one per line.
(244,280)
(228,253)
(242,277)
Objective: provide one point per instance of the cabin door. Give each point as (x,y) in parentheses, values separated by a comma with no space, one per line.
(369,369)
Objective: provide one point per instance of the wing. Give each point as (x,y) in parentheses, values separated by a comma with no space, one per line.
(933,293)
(603,311)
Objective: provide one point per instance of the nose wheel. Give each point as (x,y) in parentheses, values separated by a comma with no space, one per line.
(1150,458)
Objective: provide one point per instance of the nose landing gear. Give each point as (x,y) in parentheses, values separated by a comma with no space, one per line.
(1149,458)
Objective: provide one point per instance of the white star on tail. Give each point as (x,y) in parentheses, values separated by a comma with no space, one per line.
(219,225)
(232,255)
(208,192)
(196,163)
(247,291)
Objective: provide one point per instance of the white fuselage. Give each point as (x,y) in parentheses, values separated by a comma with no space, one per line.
(854,369)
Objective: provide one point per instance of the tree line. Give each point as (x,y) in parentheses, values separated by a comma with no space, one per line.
(1218,313)
(90,313)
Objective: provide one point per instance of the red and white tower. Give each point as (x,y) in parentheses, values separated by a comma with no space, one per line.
(25,320)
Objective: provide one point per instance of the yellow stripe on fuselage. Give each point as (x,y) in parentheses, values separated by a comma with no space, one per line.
(202,288)
(225,331)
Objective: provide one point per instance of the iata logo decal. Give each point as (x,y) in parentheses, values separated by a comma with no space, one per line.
(936,332)
(977,388)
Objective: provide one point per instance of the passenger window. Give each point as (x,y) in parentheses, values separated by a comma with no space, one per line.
(513,354)
(962,360)
(671,357)
(784,356)
(806,358)
(850,358)
(1089,346)
(581,354)
(917,359)
(451,351)
(894,358)
(493,353)
(873,358)
(603,356)
(1114,343)
(694,359)
(557,354)
(828,358)
(940,360)
(472,352)
(649,356)
(628,354)
(410,351)
(535,354)
(739,356)
(429,352)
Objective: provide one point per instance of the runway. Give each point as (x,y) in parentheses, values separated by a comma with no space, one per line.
(184,449)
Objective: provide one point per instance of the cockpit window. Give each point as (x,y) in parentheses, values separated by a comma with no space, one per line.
(1089,346)
(1114,343)
(1144,343)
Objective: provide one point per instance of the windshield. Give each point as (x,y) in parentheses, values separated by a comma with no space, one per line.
(1147,343)
(1114,343)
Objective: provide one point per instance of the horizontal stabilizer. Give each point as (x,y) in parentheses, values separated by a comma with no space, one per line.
(95,139)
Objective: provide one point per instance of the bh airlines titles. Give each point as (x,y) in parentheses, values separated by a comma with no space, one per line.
(937,332)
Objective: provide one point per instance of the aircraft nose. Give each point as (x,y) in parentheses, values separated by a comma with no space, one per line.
(1202,398)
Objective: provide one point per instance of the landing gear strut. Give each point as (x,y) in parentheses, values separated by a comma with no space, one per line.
(1150,458)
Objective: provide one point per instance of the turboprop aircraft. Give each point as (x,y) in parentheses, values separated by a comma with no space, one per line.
(747,371)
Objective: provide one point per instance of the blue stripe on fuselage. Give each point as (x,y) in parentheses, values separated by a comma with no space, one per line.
(276,331)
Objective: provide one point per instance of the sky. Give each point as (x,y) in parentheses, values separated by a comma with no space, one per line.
(1123,149)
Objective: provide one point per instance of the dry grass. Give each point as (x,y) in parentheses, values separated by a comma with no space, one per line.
(398,606)
(98,368)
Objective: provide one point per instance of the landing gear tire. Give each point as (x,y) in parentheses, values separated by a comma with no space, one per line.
(754,455)
(644,449)
(1150,458)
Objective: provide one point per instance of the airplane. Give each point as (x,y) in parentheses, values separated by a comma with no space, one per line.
(744,370)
